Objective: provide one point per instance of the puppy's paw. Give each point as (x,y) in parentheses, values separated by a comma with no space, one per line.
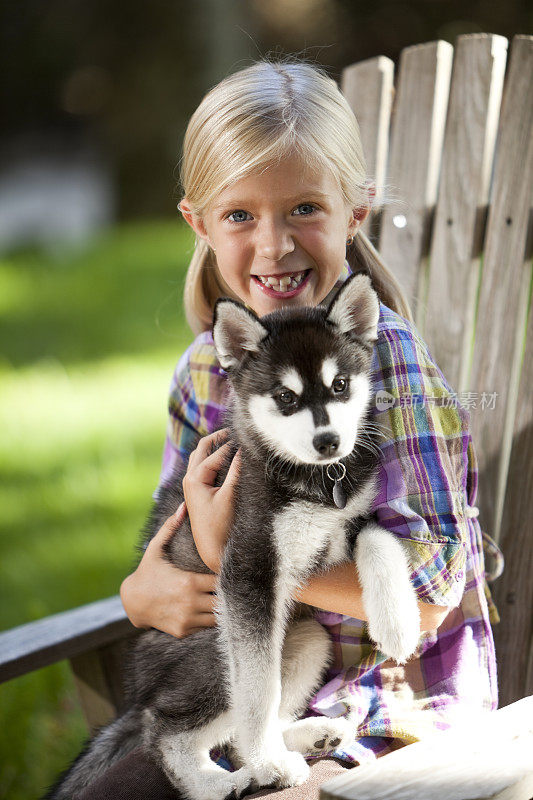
(242,778)
(283,770)
(217,785)
(388,596)
(317,735)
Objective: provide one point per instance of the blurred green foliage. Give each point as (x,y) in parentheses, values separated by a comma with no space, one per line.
(89,340)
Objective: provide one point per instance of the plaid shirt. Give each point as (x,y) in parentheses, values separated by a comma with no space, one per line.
(427,491)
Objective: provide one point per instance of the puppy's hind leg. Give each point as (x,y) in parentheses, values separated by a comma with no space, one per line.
(307,651)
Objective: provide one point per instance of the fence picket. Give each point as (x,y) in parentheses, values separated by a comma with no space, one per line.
(368,87)
(454,261)
(505,284)
(415,151)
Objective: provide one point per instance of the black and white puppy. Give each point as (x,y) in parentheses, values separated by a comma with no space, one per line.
(300,415)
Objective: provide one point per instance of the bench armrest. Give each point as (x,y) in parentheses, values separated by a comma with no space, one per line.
(65,635)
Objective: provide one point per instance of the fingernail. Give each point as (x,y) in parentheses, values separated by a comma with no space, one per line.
(180,508)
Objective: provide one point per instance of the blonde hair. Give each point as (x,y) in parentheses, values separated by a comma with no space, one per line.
(252,120)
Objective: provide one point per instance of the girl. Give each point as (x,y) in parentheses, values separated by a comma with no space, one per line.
(276,191)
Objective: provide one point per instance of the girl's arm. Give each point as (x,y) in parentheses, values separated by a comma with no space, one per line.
(338,590)
(158,594)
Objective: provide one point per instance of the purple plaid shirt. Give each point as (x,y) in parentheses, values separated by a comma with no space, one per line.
(427,491)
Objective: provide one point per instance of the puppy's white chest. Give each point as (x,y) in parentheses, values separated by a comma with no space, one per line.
(304,529)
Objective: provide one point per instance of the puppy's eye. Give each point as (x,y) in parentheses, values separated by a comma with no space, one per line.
(286,397)
(339,385)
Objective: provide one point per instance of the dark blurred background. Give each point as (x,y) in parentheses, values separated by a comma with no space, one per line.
(95,100)
(96,95)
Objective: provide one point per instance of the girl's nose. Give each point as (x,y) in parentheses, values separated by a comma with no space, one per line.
(274,240)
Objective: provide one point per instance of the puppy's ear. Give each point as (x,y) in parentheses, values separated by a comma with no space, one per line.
(355,309)
(236,331)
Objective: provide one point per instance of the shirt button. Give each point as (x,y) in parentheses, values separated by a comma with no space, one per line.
(459,575)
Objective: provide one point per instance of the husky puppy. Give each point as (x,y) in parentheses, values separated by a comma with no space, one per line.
(299,413)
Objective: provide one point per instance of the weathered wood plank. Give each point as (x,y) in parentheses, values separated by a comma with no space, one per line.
(415,151)
(98,677)
(513,591)
(60,636)
(369,89)
(505,283)
(469,142)
(485,757)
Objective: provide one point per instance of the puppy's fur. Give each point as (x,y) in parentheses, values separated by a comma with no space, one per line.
(300,381)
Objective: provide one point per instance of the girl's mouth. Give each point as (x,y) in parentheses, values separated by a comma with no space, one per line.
(288,284)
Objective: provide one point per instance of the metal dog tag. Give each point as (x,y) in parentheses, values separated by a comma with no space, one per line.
(339,495)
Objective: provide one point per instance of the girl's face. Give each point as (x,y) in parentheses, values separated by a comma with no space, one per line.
(279,236)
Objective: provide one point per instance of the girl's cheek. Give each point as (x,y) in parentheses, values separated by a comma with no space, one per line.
(320,231)
(241,249)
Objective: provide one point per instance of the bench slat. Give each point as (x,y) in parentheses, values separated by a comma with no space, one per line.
(487,756)
(454,261)
(369,89)
(504,288)
(38,644)
(513,591)
(417,133)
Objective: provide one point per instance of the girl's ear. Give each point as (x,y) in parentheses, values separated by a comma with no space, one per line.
(194,220)
(371,192)
(359,214)
(236,331)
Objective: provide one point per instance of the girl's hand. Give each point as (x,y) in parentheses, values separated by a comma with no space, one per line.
(210,508)
(159,595)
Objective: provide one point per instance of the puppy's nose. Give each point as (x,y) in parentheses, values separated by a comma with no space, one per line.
(326,443)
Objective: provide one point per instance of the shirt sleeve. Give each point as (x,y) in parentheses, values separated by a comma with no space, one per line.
(424,438)
(196,405)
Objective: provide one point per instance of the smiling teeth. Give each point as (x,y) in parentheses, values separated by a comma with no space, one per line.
(285,283)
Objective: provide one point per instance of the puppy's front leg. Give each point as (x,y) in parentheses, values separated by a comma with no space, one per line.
(388,595)
(252,614)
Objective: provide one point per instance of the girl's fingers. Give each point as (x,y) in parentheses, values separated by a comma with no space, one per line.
(205,444)
(205,603)
(195,630)
(205,583)
(169,526)
(203,621)
(209,468)
(233,472)
(222,433)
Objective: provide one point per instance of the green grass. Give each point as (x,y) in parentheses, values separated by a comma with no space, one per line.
(89,339)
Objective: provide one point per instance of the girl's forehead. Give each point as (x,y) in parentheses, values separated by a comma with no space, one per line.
(287,180)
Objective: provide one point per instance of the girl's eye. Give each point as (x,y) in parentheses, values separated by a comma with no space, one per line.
(286,397)
(339,385)
(239,216)
(304,209)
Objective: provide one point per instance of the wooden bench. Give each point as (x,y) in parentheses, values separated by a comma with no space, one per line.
(489,758)
(452,138)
